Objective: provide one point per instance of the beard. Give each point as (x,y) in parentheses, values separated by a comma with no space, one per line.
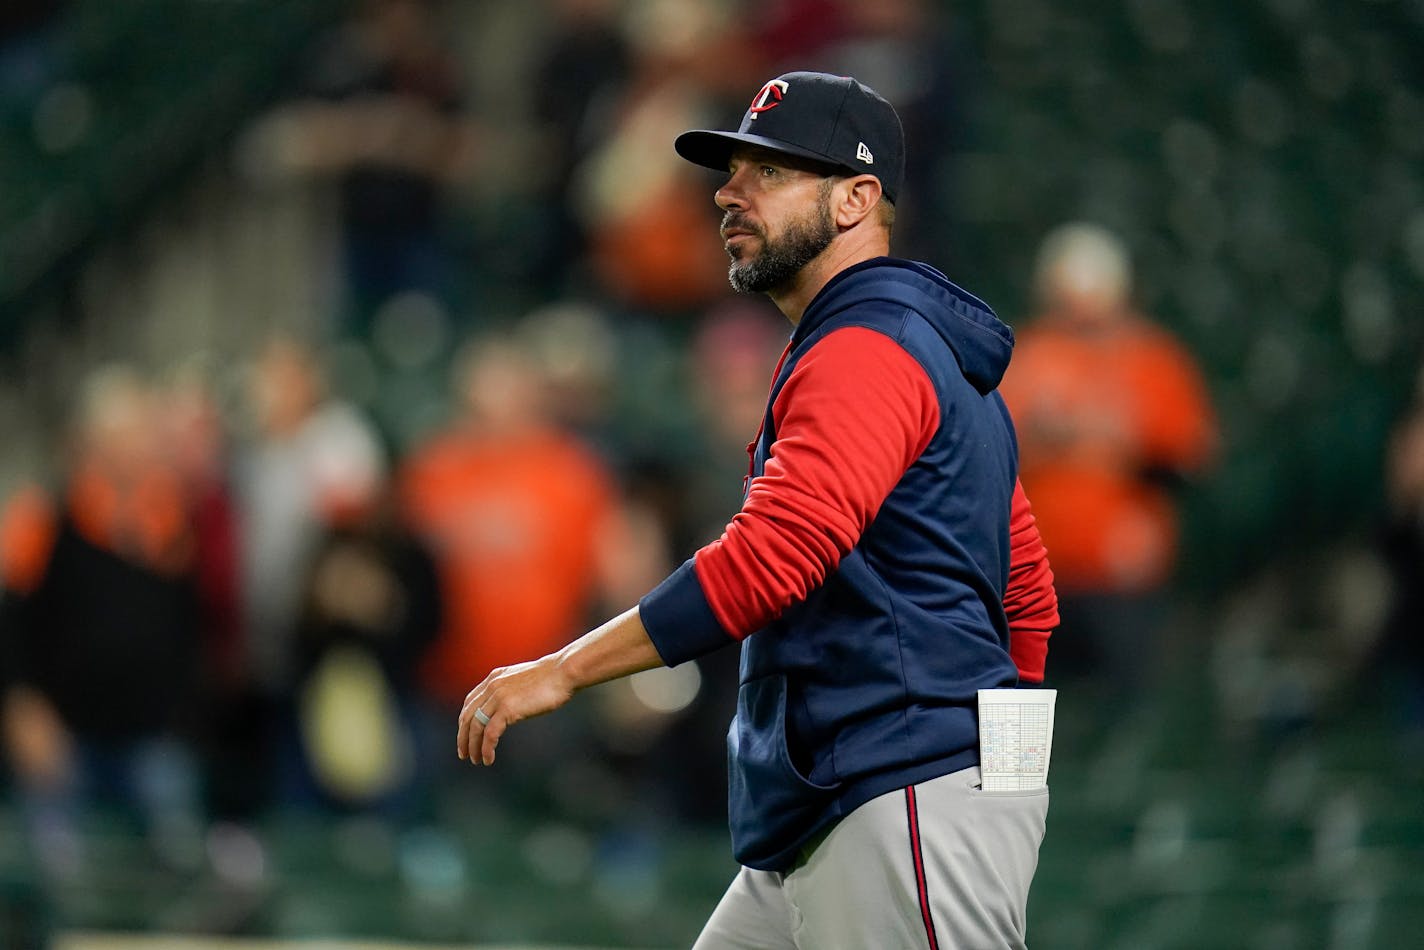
(781,260)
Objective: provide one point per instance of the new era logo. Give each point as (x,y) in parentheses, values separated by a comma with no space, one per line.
(863,153)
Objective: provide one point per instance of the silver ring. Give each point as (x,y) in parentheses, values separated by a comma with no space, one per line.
(480,715)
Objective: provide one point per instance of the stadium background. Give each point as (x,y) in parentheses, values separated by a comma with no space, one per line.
(1264,160)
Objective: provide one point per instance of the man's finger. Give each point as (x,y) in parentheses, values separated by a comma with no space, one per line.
(466,737)
(462,730)
(489,738)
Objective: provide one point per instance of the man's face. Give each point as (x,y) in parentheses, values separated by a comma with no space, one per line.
(777,219)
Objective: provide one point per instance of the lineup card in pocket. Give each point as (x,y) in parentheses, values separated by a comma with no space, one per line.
(1015,738)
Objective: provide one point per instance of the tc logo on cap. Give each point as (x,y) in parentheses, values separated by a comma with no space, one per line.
(768,97)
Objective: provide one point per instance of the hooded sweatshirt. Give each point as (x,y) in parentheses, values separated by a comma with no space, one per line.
(870,559)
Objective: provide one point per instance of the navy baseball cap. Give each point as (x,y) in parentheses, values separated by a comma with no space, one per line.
(834,120)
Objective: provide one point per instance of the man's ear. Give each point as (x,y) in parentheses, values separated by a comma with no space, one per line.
(859,196)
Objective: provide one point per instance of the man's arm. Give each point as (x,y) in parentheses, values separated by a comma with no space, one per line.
(1030,602)
(840,450)
(618,648)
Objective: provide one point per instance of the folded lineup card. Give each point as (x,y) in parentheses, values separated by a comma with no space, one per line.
(1015,738)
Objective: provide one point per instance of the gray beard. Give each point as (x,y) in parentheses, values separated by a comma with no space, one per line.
(779,262)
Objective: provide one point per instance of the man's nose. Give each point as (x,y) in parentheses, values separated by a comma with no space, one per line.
(730,196)
(727,199)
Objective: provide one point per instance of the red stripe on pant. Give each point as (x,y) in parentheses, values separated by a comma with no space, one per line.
(919,858)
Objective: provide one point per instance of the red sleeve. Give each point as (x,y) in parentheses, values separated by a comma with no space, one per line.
(1030,601)
(853,416)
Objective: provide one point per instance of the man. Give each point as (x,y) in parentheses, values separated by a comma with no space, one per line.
(872,557)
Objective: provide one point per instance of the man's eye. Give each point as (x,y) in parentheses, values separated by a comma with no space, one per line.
(768,171)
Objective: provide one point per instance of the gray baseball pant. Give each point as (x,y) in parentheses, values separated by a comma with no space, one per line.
(942,865)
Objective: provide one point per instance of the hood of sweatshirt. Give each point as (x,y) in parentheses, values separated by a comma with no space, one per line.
(980,341)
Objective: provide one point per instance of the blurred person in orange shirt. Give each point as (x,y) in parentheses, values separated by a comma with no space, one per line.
(99,631)
(529,536)
(1112,414)
(523,519)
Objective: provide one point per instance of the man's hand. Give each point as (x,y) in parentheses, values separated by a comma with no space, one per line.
(508,695)
(514,693)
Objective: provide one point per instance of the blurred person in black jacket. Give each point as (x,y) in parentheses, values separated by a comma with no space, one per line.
(99,626)
(382,113)
(579,80)
(372,605)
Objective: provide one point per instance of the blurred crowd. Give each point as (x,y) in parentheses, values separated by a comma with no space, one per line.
(239,564)
(246,588)
(239,597)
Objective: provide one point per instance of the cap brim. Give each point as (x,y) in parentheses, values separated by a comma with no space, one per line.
(714,149)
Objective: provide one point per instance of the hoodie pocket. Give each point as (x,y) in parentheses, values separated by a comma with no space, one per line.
(772,805)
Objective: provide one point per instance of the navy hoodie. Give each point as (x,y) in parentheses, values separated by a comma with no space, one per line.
(868,683)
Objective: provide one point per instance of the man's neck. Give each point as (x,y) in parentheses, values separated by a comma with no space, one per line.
(847,250)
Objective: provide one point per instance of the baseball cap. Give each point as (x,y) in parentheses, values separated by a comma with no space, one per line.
(834,120)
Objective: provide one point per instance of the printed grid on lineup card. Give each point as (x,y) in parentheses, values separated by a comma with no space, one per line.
(1014,742)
